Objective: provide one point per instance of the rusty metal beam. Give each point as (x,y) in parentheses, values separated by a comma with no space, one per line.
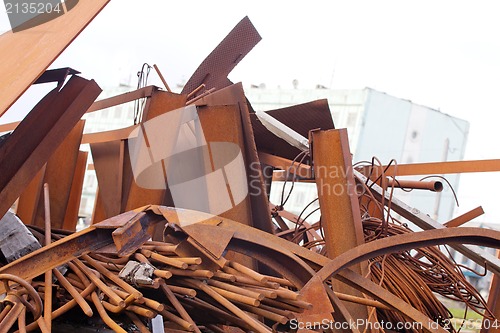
(464,218)
(436,168)
(37,137)
(302,170)
(27,54)
(114,135)
(126,231)
(108,163)
(122,98)
(338,200)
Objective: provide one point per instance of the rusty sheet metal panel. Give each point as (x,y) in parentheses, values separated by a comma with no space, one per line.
(28,201)
(27,54)
(340,212)
(75,196)
(301,118)
(40,134)
(108,164)
(305,117)
(58,173)
(234,95)
(227,117)
(134,196)
(214,70)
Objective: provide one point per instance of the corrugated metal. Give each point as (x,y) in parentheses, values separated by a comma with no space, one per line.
(214,70)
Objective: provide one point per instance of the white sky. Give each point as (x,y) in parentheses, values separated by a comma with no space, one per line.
(441,54)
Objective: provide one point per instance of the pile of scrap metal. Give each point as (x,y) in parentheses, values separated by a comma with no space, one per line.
(205,250)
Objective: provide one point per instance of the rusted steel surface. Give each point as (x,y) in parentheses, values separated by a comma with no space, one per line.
(228,117)
(122,98)
(37,137)
(234,95)
(340,213)
(435,168)
(134,196)
(475,236)
(214,70)
(27,204)
(297,296)
(464,218)
(113,135)
(58,75)
(72,210)
(28,53)
(59,174)
(108,160)
(71,247)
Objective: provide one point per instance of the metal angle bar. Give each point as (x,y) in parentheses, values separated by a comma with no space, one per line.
(123,98)
(340,212)
(464,218)
(438,168)
(114,135)
(56,75)
(302,170)
(424,222)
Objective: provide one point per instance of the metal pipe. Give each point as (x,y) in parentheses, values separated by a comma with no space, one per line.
(432,185)
(105,317)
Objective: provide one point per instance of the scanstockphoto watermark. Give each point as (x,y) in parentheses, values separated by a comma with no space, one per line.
(359,324)
(330,180)
(26,14)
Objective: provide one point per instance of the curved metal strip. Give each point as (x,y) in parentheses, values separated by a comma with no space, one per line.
(475,236)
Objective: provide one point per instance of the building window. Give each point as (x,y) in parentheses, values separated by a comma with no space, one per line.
(352,117)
